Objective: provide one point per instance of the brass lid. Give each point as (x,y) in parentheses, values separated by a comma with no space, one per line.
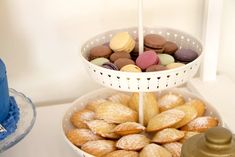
(216,142)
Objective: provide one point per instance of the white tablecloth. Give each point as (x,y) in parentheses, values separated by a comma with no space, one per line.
(45,139)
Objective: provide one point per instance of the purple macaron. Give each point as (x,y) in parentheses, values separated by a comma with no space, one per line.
(110,66)
(185,55)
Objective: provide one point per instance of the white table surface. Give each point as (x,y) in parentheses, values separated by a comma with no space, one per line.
(45,139)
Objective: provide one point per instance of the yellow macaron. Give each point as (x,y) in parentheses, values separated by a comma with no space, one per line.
(130,68)
(122,42)
(128,47)
(174,65)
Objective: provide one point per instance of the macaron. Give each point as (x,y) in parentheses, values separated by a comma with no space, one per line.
(175,65)
(147,59)
(156,50)
(185,55)
(134,55)
(154,41)
(110,66)
(135,52)
(119,40)
(170,47)
(136,48)
(130,68)
(156,68)
(117,55)
(121,62)
(99,61)
(129,47)
(100,51)
(122,42)
(166,59)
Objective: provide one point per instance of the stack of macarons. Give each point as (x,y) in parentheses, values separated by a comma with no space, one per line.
(121,53)
(122,42)
(154,42)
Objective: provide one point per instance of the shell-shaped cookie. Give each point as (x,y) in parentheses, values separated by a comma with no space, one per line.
(165,119)
(201,124)
(102,128)
(174,148)
(169,101)
(190,114)
(199,106)
(154,150)
(168,135)
(151,107)
(80,136)
(120,98)
(99,148)
(122,153)
(128,128)
(187,135)
(116,113)
(132,142)
(79,118)
(92,105)
(133,102)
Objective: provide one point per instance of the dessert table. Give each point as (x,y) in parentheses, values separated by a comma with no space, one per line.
(46,140)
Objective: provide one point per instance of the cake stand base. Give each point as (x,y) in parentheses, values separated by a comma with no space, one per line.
(25,123)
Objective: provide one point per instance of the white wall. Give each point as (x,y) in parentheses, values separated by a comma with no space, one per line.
(40,39)
(227,52)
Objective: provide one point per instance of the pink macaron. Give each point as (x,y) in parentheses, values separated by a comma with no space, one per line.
(147,59)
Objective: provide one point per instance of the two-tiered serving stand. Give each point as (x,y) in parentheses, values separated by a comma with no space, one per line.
(137,82)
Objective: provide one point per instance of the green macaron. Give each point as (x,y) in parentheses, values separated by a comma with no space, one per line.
(166,59)
(99,61)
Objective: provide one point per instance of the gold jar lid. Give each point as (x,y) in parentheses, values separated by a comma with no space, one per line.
(216,142)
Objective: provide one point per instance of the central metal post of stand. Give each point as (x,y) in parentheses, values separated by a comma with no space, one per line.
(141,50)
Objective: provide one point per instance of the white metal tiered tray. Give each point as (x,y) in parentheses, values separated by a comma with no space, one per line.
(26,120)
(81,102)
(145,81)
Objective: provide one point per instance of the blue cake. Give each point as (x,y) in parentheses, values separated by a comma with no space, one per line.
(9,111)
(4,96)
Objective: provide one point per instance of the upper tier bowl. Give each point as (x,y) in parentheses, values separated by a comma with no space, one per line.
(145,81)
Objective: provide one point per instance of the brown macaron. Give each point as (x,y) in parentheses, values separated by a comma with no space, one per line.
(156,50)
(154,41)
(121,62)
(100,51)
(134,55)
(156,68)
(135,52)
(170,47)
(117,55)
(136,48)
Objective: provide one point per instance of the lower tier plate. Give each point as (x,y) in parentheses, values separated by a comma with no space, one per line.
(81,103)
